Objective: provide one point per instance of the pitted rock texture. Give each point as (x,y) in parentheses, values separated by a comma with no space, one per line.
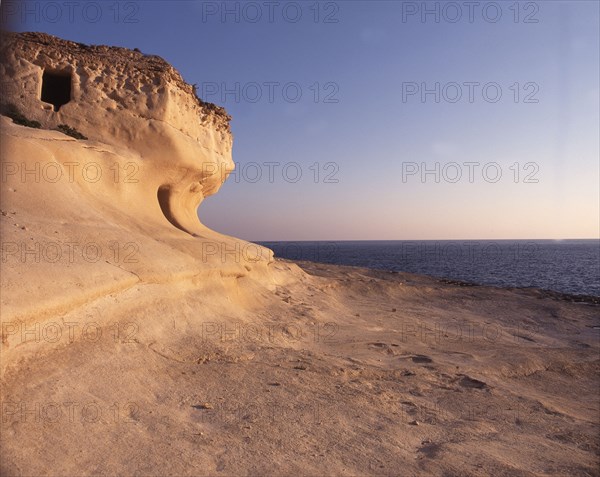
(131,101)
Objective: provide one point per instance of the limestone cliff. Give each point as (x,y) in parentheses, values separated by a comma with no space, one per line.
(128,100)
(103,190)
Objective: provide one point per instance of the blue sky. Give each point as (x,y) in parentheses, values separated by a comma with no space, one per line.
(334,90)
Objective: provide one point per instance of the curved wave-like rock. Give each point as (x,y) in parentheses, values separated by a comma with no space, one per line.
(128,100)
(110,150)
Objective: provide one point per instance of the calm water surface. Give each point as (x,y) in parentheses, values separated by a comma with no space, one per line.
(568,266)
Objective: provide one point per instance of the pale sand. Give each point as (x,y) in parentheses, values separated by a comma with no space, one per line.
(183,352)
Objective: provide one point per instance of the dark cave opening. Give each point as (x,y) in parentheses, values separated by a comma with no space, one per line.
(56,88)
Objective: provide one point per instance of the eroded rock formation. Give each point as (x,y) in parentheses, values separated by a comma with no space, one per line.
(128,100)
(118,155)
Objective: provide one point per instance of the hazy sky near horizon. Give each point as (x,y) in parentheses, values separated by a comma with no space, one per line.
(406,120)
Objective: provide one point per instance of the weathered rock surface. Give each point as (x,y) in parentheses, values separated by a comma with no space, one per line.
(120,206)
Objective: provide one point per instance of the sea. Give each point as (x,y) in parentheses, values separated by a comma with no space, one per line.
(566,266)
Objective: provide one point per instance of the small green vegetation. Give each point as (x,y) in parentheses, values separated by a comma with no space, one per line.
(13,113)
(69,131)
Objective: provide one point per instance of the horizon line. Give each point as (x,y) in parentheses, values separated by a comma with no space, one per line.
(425,240)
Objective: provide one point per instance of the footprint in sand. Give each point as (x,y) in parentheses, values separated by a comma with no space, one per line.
(421,359)
(468,382)
(383,347)
(430,450)
(378,345)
